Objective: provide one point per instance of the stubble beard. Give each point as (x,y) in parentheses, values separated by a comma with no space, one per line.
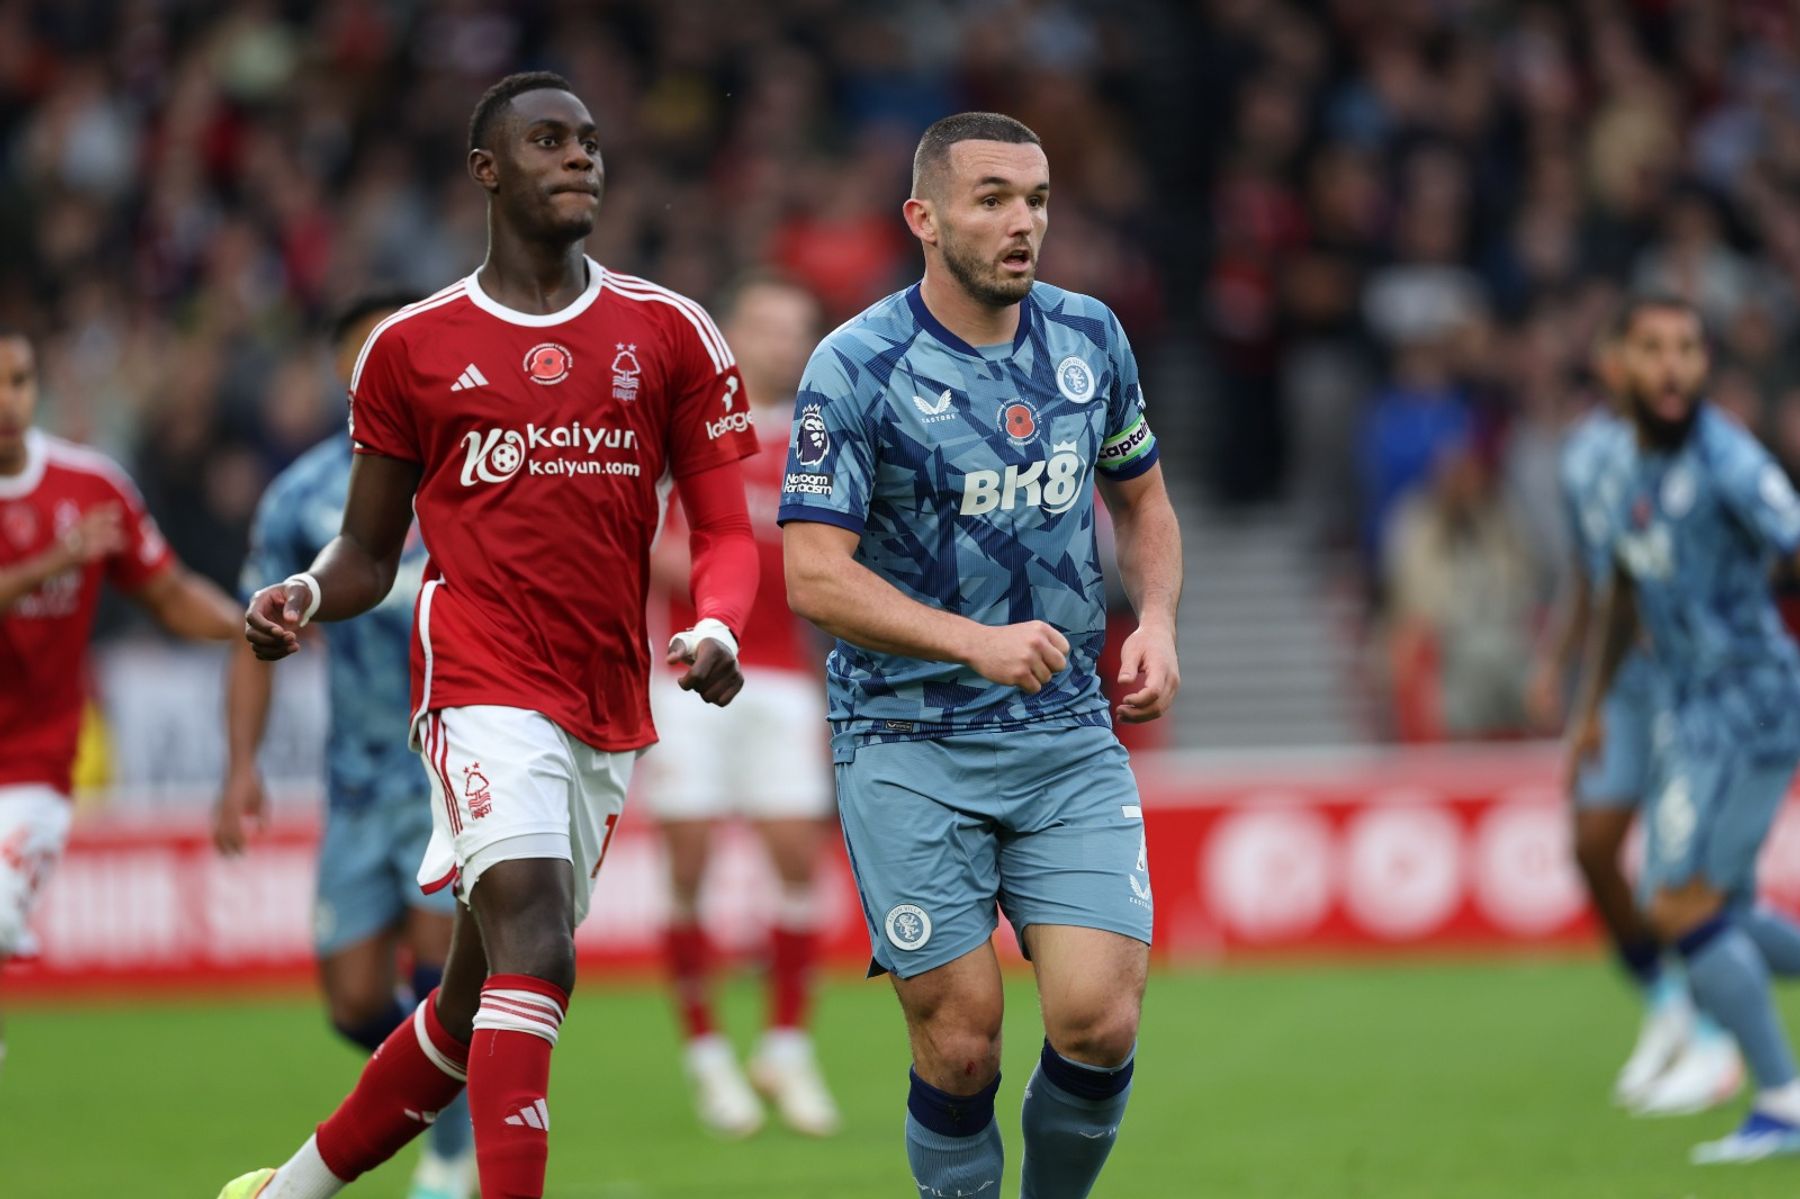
(981,278)
(1663,434)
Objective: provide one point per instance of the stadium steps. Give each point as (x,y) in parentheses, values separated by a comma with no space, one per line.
(1266,655)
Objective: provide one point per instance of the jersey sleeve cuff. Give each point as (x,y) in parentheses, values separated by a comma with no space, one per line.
(823,516)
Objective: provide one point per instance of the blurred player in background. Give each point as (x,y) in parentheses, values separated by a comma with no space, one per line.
(763,758)
(368,911)
(1682,1062)
(939,520)
(69,518)
(1700,512)
(531,413)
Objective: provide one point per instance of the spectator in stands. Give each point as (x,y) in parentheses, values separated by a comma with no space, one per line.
(1461,598)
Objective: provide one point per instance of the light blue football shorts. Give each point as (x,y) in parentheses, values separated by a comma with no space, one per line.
(1719,785)
(1621,776)
(368,871)
(1045,823)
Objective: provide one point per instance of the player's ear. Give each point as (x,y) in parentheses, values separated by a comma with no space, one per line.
(921,220)
(482,170)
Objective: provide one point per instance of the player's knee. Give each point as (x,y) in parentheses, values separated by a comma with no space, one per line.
(1101,1034)
(970,1056)
(963,1043)
(543,950)
(1676,911)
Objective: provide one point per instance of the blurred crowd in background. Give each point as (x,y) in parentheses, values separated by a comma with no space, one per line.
(1363,246)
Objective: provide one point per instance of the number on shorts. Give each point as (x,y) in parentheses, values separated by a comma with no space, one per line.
(612,822)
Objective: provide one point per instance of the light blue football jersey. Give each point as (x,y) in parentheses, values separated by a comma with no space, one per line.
(1697,530)
(969,473)
(367,760)
(1590,470)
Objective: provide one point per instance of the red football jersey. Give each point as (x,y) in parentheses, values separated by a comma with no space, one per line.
(44,636)
(548,445)
(772,637)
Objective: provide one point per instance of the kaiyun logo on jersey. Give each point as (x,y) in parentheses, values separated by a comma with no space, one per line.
(499,454)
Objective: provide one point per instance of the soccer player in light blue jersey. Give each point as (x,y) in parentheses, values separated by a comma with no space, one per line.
(938,510)
(1681,1062)
(1700,514)
(367,906)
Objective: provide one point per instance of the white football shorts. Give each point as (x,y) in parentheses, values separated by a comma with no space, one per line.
(764,756)
(34,828)
(508,783)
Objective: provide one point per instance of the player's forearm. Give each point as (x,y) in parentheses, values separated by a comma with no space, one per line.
(1616,632)
(724,577)
(851,602)
(1147,541)
(249,684)
(1566,636)
(19,581)
(351,579)
(192,606)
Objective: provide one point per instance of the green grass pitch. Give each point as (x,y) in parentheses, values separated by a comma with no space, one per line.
(1292,1082)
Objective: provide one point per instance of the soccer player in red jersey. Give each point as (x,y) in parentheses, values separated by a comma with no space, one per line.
(764,758)
(531,414)
(69,519)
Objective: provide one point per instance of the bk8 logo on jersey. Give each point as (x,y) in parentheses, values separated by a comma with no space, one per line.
(1053,484)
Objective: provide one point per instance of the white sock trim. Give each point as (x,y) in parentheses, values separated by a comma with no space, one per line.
(304,1176)
(431,1051)
(506,1010)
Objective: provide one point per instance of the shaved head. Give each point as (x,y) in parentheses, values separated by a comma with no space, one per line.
(933,154)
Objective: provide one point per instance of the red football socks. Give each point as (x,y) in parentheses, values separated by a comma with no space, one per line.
(415,1073)
(791,955)
(509,1081)
(689,965)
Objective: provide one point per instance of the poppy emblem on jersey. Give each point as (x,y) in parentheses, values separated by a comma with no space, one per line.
(548,363)
(475,791)
(20,523)
(625,371)
(1019,421)
(811,439)
(908,927)
(1075,380)
(1640,512)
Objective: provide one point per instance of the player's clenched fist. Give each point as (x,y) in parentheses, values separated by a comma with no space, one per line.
(272,621)
(1020,655)
(715,676)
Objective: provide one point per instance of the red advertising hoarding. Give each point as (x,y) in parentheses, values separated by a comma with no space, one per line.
(1343,851)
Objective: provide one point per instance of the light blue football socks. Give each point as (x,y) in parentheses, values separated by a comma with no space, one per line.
(953,1142)
(1071,1118)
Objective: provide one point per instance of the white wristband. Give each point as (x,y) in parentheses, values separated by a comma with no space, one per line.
(312,585)
(709,629)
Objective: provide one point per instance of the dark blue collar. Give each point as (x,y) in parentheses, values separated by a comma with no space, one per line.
(935,327)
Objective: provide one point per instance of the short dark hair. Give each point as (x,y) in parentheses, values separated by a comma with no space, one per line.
(496,98)
(363,307)
(1650,301)
(935,143)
